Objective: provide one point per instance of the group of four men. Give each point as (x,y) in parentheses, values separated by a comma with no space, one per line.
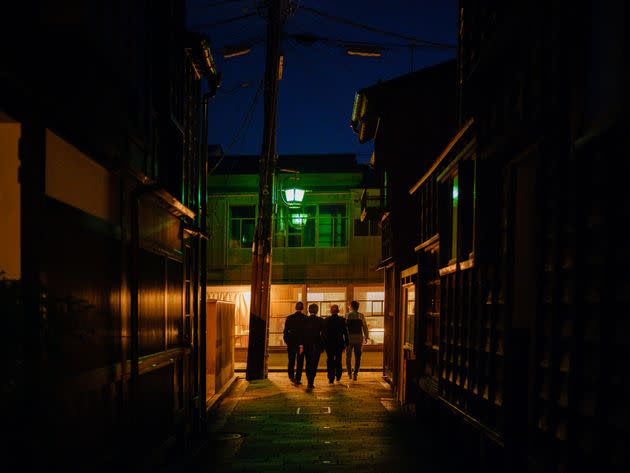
(307,336)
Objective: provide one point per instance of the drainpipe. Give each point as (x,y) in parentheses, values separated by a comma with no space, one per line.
(202,239)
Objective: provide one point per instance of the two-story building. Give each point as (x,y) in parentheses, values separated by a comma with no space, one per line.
(322,251)
(514,308)
(409,118)
(103,159)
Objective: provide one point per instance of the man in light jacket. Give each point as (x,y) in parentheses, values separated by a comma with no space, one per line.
(358,334)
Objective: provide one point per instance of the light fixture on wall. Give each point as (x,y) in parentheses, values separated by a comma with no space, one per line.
(294,195)
(291,194)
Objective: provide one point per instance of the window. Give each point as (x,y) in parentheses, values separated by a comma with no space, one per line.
(431,312)
(409,308)
(457,208)
(242,225)
(311,226)
(454,211)
(301,227)
(366,228)
(332,226)
(371,301)
(324,297)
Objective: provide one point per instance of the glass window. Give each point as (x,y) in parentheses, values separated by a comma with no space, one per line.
(371,305)
(332,226)
(311,225)
(454,211)
(410,315)
(242,226)
(301,227)
(457,208)
(366,228)
(324,297)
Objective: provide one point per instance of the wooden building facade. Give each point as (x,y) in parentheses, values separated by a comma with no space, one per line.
(104,156)
(322,252)
(408,118)
(521,322)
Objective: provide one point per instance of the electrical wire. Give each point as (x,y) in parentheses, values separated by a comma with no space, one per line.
(249,43)
(307,39)
(244,123)
(249,119)
(224,22)
(243,126)
(416,41)
(220,3)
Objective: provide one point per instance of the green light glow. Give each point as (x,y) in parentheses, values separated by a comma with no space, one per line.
(294,195)
(299,219)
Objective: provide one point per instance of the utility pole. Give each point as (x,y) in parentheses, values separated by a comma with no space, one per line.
(261,252)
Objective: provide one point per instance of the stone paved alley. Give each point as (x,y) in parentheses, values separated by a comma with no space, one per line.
(272,425)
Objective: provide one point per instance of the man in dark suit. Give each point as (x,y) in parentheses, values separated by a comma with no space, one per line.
(335,340)
(313,343)
(292,335)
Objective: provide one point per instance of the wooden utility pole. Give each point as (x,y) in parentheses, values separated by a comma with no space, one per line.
(261,257)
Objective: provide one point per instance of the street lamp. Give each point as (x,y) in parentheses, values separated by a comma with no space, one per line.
(294,196)
(290,193)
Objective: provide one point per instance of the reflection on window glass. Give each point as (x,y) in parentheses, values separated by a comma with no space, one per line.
(324,297)
(242,225)
(301,227)
(410,318)
(332,226)
(454,212)
(295,228)
(310,226)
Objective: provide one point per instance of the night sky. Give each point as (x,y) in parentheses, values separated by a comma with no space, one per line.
(319,80)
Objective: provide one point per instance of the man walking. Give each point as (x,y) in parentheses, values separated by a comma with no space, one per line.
(292,335)
(335,340)
(313,343)
(358,334)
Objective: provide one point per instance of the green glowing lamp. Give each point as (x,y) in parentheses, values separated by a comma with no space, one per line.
(299,219)
(294,195)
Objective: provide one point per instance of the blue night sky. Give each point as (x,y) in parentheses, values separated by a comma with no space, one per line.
(319,80)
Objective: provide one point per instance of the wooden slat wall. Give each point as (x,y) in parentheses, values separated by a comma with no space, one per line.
(580,415)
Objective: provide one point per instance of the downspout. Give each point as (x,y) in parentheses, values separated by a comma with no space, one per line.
(204,63)
(202,241)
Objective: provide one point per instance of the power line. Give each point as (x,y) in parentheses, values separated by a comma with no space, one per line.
(417,41)
(244,123)
(249,42)
(218,4)
(309,39)
(224,22)
(249,118)
(248,115)
(243,126)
